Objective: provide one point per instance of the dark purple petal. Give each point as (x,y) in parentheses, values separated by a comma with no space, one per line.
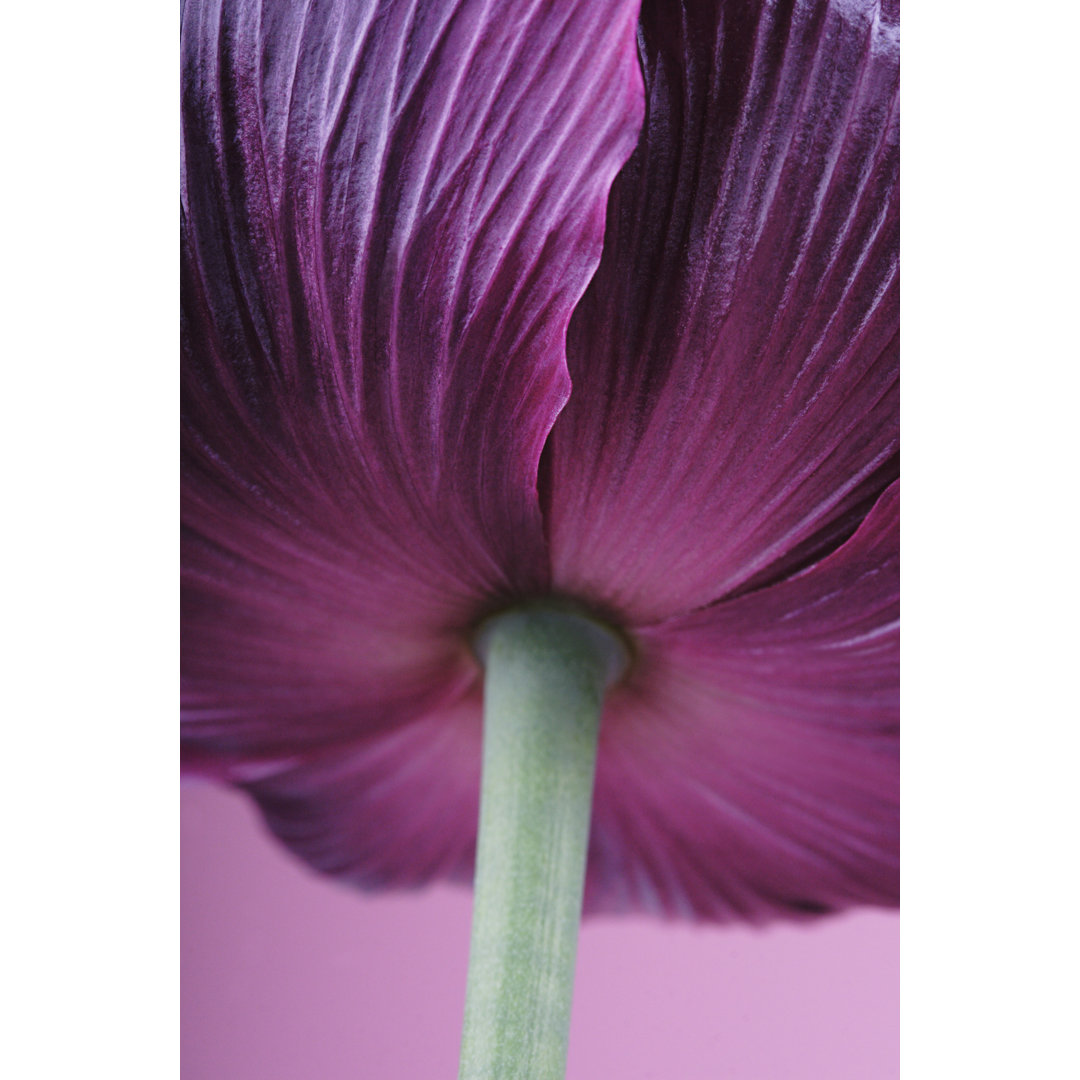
(734,362)
(749,768)
(389,211)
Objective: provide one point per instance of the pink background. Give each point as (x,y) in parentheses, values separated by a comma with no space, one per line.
(286,976)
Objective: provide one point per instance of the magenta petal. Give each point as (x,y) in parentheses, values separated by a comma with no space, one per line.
(396,809)
(389,211)
(750,768)
(734,362)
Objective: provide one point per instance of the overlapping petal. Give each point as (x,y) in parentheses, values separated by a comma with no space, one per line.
(747,770)
(389,211)
(734,409)
(750,767)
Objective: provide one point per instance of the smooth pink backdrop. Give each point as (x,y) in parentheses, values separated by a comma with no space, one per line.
(286,976)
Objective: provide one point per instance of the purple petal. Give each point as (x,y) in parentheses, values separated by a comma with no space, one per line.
(396,809)
(734,362)
(389,211)
(750,767)
(747,770)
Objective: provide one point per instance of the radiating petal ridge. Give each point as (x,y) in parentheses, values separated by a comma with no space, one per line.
(734,362)
(749,769)
(388,213)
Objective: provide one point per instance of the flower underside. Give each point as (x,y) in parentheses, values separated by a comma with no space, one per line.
(561,301)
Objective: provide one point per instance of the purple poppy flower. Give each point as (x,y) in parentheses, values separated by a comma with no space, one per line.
(452,343)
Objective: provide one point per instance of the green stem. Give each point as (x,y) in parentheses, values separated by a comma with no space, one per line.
(546,671)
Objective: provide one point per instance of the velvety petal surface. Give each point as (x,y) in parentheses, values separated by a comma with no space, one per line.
(749,768)
(735,400)
(389,211)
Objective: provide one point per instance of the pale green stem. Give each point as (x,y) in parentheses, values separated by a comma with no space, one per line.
(546,671)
